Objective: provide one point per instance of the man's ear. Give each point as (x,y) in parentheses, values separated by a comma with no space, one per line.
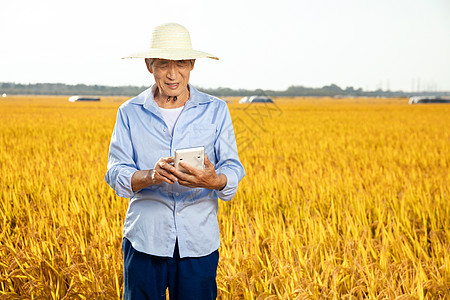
(147,64)
(192,64)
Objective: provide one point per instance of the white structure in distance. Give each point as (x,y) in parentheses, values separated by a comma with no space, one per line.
(256,99)
(83,98)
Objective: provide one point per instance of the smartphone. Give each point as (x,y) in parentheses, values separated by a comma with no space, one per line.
(192,156)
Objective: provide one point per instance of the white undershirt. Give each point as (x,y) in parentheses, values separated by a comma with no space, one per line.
(170,116)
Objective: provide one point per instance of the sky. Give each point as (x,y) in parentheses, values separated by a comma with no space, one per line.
(368,44)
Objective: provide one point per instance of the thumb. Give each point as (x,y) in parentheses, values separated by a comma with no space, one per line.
(208,163)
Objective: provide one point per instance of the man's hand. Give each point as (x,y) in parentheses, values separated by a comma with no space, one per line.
(204,178)
(164,171)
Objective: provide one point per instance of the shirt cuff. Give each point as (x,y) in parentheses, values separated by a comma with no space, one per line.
(230,189)
(123,183)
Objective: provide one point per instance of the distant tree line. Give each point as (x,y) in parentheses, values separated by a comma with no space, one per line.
(67,89)
(103,90)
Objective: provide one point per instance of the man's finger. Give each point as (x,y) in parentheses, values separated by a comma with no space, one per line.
(186,183)
(189,168)
(166,175)
(166,166)
(208,163)
(181,175)
(165,179)
(169,159)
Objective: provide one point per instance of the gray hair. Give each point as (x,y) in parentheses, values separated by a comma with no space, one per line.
(149,62)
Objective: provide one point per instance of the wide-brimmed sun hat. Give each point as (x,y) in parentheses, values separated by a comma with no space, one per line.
(170,41)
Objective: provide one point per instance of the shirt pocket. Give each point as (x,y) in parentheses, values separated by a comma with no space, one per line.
(203,136)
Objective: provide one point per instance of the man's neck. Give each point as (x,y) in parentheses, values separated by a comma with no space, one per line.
(166,101)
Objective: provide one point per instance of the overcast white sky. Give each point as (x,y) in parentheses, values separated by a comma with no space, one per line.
(369,44)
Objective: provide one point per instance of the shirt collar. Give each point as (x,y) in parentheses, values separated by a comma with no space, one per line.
(197,97)
(146,98)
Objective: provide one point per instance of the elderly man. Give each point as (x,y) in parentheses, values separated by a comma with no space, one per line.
(171,232)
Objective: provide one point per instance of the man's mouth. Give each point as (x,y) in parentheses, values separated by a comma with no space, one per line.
(172,86)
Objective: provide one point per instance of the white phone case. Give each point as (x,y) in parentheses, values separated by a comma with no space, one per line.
(192,156)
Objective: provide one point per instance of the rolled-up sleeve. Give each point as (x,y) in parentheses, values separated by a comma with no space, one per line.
(121,163)
(227,158)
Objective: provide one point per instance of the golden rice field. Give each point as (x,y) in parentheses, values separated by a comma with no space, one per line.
(343,199)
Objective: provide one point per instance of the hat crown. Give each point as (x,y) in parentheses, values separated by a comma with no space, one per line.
(170,41)
(171,36)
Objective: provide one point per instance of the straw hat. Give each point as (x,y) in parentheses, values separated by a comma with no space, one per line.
(170,41)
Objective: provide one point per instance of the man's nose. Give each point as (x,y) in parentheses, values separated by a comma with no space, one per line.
(172,72)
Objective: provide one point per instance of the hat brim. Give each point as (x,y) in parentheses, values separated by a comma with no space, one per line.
(171,54)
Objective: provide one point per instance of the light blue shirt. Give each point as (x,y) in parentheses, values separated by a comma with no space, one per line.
(160,214)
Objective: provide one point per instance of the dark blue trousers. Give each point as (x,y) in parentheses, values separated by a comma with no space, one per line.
(147,276)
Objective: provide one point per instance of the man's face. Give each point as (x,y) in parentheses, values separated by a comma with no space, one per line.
(171,76)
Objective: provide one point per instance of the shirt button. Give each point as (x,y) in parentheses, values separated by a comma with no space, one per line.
(177,194)
(178,214)
(164,129)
